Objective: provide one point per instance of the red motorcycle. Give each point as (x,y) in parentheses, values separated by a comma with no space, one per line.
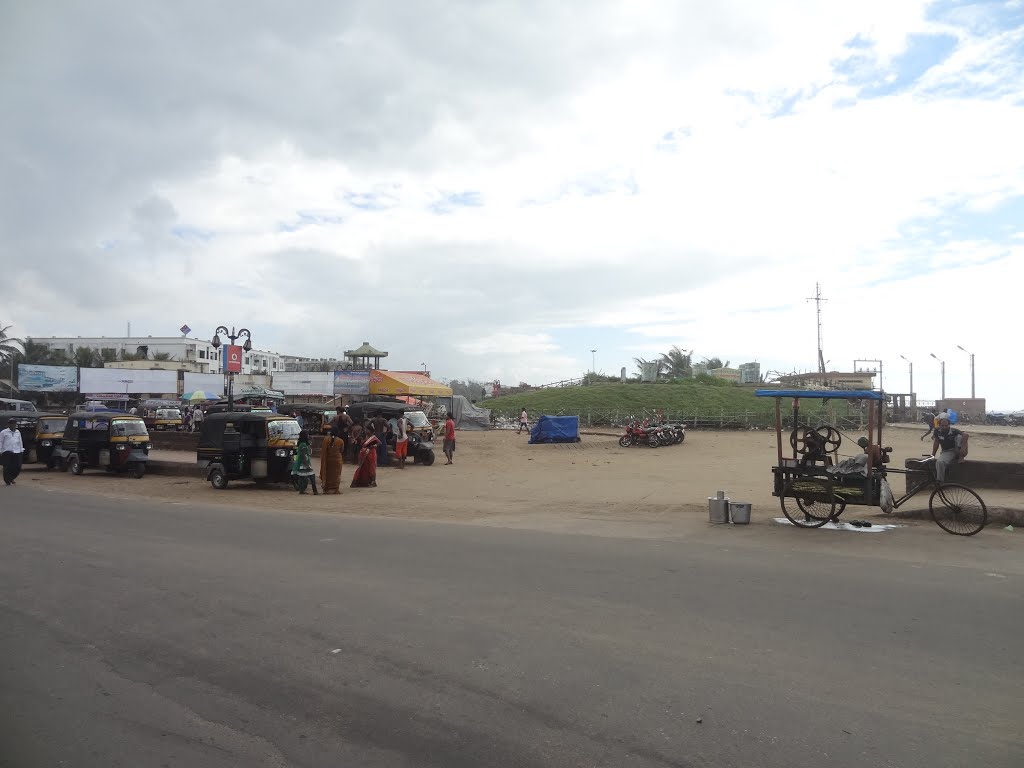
(637,434)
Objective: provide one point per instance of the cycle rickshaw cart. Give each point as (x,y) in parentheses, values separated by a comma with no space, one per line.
(813,488)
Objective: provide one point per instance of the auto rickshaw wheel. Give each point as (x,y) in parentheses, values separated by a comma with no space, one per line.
(218,479)
(139,469)
(75,465)
(428,459)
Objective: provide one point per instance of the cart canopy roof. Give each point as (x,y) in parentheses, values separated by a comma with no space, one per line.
(822,394)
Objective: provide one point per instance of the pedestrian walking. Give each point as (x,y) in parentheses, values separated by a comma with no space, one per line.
(401,440)
(302,466)
(449,439)
(524,422)
(197,419)
(929,419)
(331,461)
(365,475)
(12,451)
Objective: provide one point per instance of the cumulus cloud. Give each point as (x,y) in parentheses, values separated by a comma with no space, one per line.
(496,188)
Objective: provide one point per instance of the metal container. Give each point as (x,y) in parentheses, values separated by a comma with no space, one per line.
(739,512)
(718,510)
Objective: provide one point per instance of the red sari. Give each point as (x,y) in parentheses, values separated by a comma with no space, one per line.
(366,469)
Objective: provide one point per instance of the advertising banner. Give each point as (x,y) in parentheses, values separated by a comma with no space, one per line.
(127,380)
(351,382)
(210,383)
(47,378)
(232,358)
(305,382)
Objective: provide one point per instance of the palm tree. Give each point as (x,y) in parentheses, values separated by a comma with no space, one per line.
(85,357)
(641,362)
(36,353)
(9,346)
(676,363)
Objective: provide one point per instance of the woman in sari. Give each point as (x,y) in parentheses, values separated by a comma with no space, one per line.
(365,475)
(332,451)
(302,466)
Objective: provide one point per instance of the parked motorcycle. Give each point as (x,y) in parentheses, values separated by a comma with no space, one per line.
(637,434)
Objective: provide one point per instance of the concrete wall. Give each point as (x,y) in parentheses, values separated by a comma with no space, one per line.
(997,475)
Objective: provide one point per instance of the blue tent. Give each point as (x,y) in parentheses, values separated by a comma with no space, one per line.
(556,429)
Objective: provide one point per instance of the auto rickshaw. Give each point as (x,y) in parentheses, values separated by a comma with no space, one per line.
(421,435)
(247,446)
(49,438)
(116,442)
(315,416)
(161,415)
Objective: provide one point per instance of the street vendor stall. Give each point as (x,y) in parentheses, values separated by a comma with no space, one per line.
(404,384)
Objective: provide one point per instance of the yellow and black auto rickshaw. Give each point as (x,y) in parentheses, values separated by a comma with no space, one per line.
(247,446)
(49,438)
(110,440)
(162,415)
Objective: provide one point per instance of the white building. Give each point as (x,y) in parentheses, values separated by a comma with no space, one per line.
(750,373)
(199,352)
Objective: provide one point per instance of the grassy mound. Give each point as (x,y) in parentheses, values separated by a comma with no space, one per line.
(686,400)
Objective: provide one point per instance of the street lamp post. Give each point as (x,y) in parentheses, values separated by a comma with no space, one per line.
(593,358)
(126,382)
(972,368)
(942,363)
(233,337)
(909,363)
(424,368)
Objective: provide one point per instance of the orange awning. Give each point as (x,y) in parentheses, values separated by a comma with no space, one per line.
(398,384)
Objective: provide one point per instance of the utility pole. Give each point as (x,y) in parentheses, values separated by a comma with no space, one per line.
(817,299)
(593,357)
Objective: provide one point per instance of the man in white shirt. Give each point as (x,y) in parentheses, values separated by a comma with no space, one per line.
(401,440)
(11,451)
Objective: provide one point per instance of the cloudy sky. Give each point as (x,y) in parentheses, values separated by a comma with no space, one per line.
(496,188)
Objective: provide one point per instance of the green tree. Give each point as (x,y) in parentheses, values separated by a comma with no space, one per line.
(84,357)
(676,363)
(164,356)
(9,345)
(715,362)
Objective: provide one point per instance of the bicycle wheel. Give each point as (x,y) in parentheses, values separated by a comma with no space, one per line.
(814,506)
(958,510)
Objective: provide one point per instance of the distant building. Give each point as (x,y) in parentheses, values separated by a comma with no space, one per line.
(298,363)
(698,369)
(830,380)
(750,373)
(158,365)
(180,348)
(727,374)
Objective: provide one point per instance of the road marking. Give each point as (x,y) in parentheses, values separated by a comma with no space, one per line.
(336,651)
(326,539)
(996,575)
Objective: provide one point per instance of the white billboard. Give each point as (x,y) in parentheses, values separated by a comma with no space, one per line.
(47,378)
(304,382)
(210,383)
(127,381)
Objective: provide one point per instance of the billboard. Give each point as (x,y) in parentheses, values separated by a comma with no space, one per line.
(210,383)
(127,380)
(351,382)
(305,382)
(47,378)
(232,358)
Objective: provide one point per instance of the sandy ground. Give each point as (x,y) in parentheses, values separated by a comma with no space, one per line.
(593,486)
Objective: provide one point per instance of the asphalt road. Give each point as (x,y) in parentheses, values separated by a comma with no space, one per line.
(172,635)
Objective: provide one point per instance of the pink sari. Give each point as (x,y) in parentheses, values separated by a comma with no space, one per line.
(366,468)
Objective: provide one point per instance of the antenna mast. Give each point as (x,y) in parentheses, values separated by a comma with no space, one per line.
(817,299)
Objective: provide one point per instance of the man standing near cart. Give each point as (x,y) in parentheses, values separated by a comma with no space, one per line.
(953,443)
